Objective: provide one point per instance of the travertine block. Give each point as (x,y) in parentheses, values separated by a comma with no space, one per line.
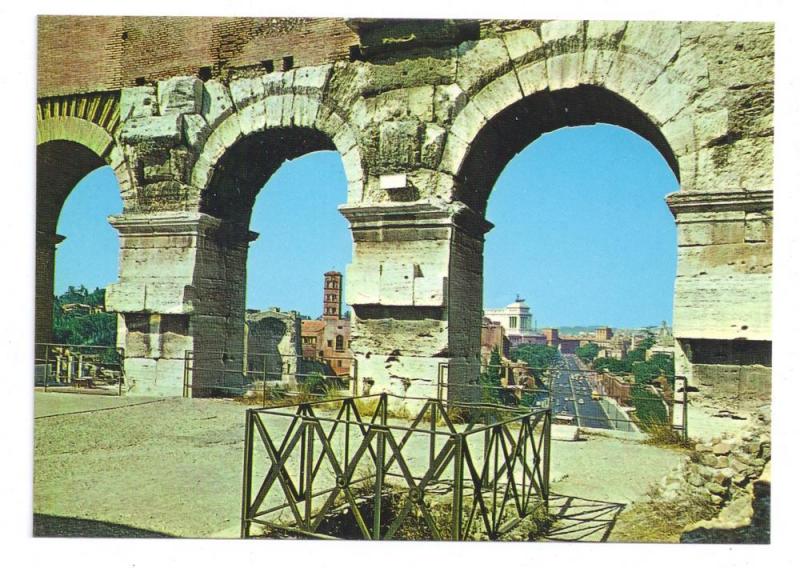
(180,95)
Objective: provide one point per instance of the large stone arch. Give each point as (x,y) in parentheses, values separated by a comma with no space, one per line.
(651,80)
(74,135)
(282,114)
(237,159)
(213,146)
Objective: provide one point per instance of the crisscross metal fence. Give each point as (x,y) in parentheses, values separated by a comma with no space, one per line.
(453,472)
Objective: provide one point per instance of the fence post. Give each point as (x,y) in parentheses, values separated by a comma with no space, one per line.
(546,459)
(685,410)
(186,374)
(247,473)
(121,358)
(46,366)
(458,488)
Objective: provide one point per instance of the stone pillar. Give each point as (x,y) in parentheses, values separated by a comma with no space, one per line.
(723,288)
(181,289)
(415,287)
(46,243)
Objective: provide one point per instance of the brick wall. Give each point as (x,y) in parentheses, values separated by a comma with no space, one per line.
(97,53)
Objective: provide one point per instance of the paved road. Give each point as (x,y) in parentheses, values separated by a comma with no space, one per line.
(569,389)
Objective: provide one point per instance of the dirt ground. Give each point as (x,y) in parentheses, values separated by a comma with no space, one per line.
(109,466)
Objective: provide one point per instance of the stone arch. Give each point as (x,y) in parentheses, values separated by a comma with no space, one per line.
(238,157)
(511,129)
(510,106)
(661,77)
(285,126)
(75,135)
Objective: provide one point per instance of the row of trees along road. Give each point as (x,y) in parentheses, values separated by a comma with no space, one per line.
(650,409)
(537,357)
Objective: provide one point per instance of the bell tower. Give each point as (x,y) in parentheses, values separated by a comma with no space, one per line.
(332,298)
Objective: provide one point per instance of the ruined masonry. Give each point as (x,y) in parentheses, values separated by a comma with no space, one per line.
(195,114)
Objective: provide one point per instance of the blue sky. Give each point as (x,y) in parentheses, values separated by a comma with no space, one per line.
(581,231)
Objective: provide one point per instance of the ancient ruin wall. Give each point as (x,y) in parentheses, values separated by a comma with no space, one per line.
(424,122)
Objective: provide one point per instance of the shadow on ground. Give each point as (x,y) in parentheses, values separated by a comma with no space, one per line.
(582,520)
(52,526)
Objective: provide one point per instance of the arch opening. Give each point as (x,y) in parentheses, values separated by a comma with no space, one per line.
(523,122)
(62,166)
(275,194)
(248,165)
(500,148)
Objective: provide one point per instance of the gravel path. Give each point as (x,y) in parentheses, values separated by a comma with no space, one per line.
(174,466)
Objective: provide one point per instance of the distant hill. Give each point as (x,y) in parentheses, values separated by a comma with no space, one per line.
(574,329)
(78,318)
(578,329)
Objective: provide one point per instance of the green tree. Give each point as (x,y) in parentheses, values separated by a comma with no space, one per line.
(75,328)
(490,378)
(588,352)
(539,358)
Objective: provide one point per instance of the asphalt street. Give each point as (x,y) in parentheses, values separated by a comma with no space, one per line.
(572,396)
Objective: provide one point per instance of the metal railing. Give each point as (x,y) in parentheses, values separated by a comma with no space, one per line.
(454,472)
(576,396)
(96,369)
(257,374)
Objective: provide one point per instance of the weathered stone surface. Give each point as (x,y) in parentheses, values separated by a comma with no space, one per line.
(137,102)
(180,94)
(312,77)
(246,90)
(399,142)
(217,103)
(721,449)
(417,111)
(497,95)
(533,77)
(195,130)
(521,44)
(479,62)
(153,129)
(433,145)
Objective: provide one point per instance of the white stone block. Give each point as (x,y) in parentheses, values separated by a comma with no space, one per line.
(304,110)
(217,104)
(564,71)
(559,29)
(600,29)
(468,123)
(664,99)
(195,130)
(393,181)
(312,77)
(420,103)
(520,43)
(659,40)
(180,95)
(137,102)
(564,433)
(479,61)
(498,95)
(158,129)
(351,162)
(533,77)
